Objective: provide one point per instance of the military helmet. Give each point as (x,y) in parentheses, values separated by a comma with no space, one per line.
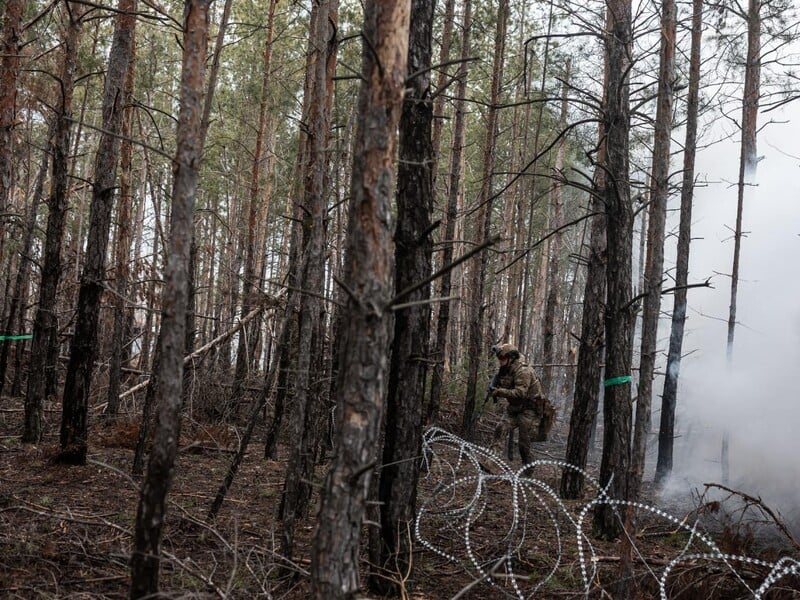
(505,351)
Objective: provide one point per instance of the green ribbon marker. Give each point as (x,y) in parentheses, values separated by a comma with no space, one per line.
(617,380)
(12,338)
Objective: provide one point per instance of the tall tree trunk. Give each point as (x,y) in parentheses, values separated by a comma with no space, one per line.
(208,102)
(121,338)
(441,82)
(654,266)
(397,489)
(366,328)
(533,294)
(554,258)
(45,326)
(299,473)
(443,321)
(615,464)
(10,63)
(294,240)
(666,431)
(483,221)
(246,336)
(83,349)
(653,278)
(748,160)
(16,311)
(161,466)
(592,341)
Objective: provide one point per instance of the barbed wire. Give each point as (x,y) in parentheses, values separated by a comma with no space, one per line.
(465,479)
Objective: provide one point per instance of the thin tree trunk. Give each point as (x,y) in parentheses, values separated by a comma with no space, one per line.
(653,279)
(443,322)
(10,63)
(83,349)
(121,338)
(16,309)
(285,386)
(615,464)
(299,473)
(590,351)
(666,431)
(483,221)
(397,489)
(45,327)
(654,266)
(208,102)
(554,258)
(161,467)
(441,82)
(366,328)
(246,336)
(529,314)
(748,161)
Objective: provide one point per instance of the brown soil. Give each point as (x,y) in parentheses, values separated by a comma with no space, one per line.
(65,532)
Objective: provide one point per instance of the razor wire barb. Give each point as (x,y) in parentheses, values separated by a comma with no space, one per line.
(463,476)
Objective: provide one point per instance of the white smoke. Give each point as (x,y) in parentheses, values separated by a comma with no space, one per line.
(757,398)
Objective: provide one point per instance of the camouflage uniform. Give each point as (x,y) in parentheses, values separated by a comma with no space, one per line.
(517,383)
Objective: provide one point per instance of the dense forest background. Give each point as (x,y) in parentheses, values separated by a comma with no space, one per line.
(285,234)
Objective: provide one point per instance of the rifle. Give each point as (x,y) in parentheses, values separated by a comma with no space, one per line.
(488,397)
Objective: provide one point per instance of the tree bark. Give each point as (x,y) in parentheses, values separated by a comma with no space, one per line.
(246,337)
(10,64)
(654,266)
(299,473)
(443,321)
(83,349)
(666,431)
(748,161)
(161,466)
(366,329)
(590,351)
(615,463)
(397,489)
(16,310)
(483,222)
(45,326)
(121,338)
(553,261)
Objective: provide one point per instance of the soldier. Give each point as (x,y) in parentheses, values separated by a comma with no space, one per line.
(517,383)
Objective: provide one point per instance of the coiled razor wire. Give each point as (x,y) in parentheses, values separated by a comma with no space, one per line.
(464,474)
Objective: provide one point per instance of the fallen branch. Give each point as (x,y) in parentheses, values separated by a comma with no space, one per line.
(764,508)
(200,351)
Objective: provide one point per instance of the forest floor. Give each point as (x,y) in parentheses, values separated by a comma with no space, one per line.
(66,532)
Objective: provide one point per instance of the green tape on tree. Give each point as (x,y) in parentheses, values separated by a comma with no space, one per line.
(12,338)
(617,380)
